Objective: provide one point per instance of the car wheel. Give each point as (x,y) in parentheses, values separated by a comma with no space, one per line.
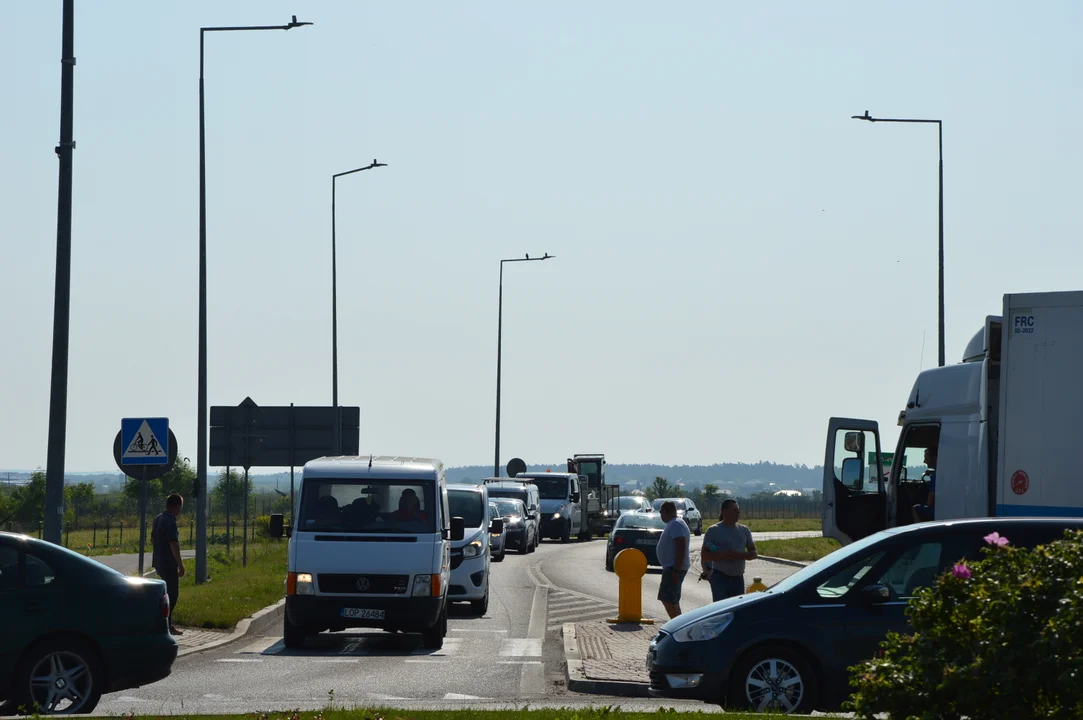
(293,636)
(500,557)
(609,562)
(699,528)
(774,679)
(61,676)
(480,607)
(433,638)
(525,545)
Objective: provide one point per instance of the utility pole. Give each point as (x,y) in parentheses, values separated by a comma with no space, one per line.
(53,512)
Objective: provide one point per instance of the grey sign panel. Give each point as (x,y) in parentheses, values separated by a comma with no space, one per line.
(277,436)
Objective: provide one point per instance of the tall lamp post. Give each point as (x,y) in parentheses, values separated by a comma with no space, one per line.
(201,444)
(334,305)
(940,132)
(499,333)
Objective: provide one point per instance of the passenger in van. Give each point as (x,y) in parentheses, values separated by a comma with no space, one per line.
(362,511)
(327,511)
(924,513)
(409,508)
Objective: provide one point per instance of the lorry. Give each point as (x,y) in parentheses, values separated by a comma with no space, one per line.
(1001,429)
(575,502)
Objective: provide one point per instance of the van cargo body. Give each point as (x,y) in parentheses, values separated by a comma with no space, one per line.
(1003,426)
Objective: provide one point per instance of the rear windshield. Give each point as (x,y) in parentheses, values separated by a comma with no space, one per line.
(628,502)
(467,505)
(367,505)
(640,521)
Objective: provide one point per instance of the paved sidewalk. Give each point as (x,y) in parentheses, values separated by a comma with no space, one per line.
(608,658)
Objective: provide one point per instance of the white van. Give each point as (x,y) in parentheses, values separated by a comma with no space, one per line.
(470,555)
(371,548)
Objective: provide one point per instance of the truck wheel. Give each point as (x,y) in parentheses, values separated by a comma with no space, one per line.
(293,636)
(433,638)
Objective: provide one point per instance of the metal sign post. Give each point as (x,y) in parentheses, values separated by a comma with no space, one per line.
(149,444)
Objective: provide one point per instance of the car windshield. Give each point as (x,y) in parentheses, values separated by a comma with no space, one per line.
(508,508)
(641,521)
(367,505)
(467,505)
(657,504)
(554,488)
(627,502)
(844,557)
(510,494)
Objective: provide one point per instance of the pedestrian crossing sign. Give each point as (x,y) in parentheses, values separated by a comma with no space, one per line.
(144,441)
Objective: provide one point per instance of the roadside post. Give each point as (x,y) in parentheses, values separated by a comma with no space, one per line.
(630,565)
(149,445)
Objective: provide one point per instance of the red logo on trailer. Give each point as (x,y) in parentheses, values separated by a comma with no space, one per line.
(1020,482)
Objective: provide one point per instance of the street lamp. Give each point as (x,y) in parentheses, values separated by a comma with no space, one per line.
(334,305)
(499,331)
(940,133)
(201,442)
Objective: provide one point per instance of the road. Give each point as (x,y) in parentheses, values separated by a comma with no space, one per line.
(513,654)
(128,563)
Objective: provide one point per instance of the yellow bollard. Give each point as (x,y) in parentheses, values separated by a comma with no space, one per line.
(630,565)
(757,585)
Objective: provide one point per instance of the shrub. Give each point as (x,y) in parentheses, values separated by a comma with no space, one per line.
(999,638)
(263,526)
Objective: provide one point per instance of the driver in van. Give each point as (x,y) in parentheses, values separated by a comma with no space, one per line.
(924,513)
(409,507)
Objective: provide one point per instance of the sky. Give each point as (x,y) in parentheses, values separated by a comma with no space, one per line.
(736,260)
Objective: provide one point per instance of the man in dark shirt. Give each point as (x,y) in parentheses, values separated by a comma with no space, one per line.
(166,559)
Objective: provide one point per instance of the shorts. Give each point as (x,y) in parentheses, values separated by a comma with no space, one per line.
(669,590)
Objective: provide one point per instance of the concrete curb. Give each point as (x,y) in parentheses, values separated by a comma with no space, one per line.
(260,622)
(782,561)
(576,678)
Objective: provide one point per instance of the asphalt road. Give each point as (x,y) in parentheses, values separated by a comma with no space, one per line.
(128,563)
(513,654)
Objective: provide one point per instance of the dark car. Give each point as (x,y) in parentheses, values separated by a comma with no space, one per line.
(522,533)
(788,649)
(72,629)
(639,530)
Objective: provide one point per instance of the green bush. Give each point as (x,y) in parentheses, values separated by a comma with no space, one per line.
(263,526)
(999,638)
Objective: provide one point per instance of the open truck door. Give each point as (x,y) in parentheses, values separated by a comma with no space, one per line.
(855,491)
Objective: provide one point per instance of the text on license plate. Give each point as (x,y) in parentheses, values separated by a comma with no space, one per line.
(646,542)
(362,614)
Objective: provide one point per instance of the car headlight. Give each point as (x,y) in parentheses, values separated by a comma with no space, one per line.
(706,629)
(513,520)
(300,584)
(422,585)
(472,550)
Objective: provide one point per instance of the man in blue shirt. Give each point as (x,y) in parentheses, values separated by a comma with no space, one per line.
(924,513)
(166,559)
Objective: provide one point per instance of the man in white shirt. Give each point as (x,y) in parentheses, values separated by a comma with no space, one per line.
(673,557)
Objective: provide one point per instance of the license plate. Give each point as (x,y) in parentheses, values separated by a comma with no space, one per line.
(646,542)
(362,614)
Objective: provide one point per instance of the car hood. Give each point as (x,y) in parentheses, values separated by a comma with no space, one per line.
(470,536)
(714,608)
(550,506)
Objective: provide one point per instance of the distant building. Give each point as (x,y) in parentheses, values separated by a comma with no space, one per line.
(790,493)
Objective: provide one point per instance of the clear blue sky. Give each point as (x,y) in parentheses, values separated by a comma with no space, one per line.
(736,259)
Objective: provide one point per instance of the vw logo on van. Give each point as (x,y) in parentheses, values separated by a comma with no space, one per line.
(363,584)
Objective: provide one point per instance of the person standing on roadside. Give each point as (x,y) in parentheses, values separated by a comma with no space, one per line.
(726,546)
(166,559)
(673,557)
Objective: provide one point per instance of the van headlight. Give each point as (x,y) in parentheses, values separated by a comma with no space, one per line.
(706,629)
(422,585)
(298,583)
(556,515)
(472,550)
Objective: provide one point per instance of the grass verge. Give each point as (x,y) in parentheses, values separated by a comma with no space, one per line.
(233,592)
(777,524)
(804,549)
(599,713)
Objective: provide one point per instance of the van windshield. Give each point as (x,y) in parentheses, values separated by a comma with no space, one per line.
(468,505)
(554,488)
(367,505)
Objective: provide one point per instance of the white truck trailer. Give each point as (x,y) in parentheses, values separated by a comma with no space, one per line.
(1006,425)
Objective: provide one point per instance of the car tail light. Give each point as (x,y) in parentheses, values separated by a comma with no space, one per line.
(163,605)
(618,540)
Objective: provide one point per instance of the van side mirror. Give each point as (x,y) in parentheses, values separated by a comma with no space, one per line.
(275,526)
(575,497)
(496,527)
(854,442)
(458,529)
(876,594)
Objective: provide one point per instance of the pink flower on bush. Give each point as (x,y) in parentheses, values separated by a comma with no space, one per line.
(961,571)
(995,538)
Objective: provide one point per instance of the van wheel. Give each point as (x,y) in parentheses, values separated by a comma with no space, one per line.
(293,636)
(774,678)
(433,638)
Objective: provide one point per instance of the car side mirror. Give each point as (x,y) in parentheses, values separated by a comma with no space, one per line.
(876,594)
(458,529)
(496,527)
(575,497)
(289,531)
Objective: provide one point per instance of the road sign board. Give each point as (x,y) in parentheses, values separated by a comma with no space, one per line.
(150,472)
(250,435)
(144,441)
